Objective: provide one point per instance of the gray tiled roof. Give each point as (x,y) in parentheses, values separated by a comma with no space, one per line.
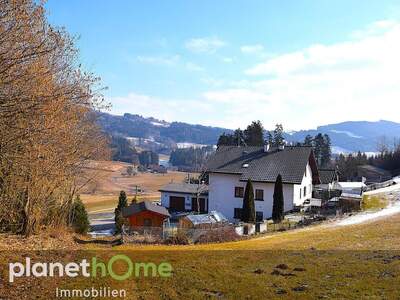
(135,208)
(254,163)
(327,175)
(186,188)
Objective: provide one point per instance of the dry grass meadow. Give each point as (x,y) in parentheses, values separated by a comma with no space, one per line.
(320,262)
(101,193)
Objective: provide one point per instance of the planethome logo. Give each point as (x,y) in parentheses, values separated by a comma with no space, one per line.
(89,268)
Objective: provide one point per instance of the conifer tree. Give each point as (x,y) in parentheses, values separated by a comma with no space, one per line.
(248,211)
(278,135)
(79,217)
(278,204)
(119,219)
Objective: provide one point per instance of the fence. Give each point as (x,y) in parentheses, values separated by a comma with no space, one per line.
(179,235)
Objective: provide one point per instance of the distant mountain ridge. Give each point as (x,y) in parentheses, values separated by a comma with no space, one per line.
(351,136)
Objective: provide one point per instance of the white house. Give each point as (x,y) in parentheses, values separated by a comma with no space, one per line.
(181,197)
(230,168)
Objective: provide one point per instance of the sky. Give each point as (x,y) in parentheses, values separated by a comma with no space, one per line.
(225,63)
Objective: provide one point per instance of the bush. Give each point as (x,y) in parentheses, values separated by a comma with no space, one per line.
(179,239)
(218,235)
(79,217)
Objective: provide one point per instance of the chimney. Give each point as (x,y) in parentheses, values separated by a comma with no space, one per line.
(267,147)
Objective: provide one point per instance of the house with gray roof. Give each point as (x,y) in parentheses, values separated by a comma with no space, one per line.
(231,166)
(328,178)
(185,197)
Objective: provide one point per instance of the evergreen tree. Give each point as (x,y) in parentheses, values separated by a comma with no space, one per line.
(225,140)
(119,219)
(318,145)
(79,217)
(308,140)
(238,137)
(326,151)
(248,211)
(278,135)
(270,138)
(254,134)
(278,204)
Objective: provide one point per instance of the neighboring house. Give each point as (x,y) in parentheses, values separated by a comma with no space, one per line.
(145,214)
(326,189)
(353,187)
(180,197)
(230,168)
(328,178)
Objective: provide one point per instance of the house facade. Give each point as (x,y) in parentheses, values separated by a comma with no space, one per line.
(230,168)
(184,197)
(145,214)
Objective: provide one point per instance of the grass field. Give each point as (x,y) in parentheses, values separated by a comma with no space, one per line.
(110,178)
(320,262)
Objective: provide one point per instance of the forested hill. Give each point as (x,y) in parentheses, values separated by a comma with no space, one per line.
(130,125)
(355,135)
(346,137)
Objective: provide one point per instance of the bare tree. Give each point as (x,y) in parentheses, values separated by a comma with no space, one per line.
(47,121)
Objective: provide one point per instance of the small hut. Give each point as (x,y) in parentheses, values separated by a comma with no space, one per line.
(204,221)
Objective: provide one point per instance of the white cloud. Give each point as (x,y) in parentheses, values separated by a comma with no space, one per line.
(252,49)
(227,60)
(159,60)
(205,44)
(162,108)
(357,79)
(194,67)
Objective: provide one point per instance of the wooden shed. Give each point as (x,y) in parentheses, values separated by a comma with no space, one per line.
(145,214)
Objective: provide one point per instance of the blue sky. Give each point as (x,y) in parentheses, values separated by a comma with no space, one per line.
(225,63)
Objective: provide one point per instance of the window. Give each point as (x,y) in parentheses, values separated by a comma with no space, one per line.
(259,195)
(237,213)
(239,191)
(300,193)
(202,203)
(305,191)
(147,222)
(259,216)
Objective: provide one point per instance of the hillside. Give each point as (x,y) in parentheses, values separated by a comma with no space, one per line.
(157,131)
(320,262)
(353,136)
(158,134)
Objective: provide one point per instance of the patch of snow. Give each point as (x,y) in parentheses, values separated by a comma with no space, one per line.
(348,133)
(386,190)
(160,124)
(339,150)
(351,184)
(290,132)
(106,232)
(370,216)
(189,145)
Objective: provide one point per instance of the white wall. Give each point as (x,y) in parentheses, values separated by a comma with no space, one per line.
(307,183)
(222,195)
(188,199)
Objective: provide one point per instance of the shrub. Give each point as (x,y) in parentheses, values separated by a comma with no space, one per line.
(218,235)
(179,239)
(79,217)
